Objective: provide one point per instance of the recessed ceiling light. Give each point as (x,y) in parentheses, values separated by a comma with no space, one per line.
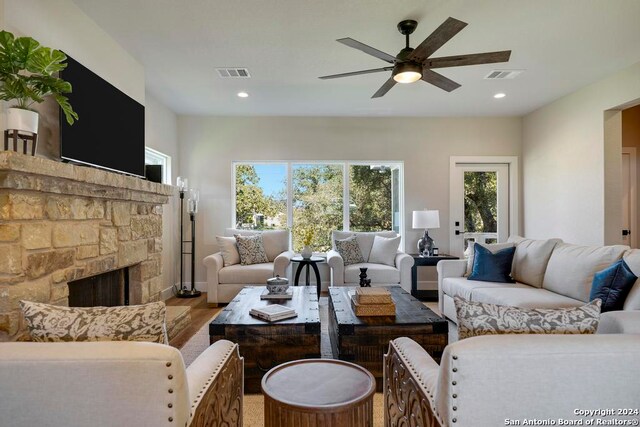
(496,96)
(243,94)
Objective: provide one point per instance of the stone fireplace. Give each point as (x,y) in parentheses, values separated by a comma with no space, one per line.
(60,223)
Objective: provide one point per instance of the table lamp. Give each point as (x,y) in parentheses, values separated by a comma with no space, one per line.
(426,219)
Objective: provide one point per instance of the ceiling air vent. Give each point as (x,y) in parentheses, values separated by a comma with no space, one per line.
(233,73)
(503,74)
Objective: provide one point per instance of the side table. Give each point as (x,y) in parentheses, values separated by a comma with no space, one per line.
(309,263)
(318,392)
(425,261)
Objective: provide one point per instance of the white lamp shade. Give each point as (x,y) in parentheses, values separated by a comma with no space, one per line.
(426,219)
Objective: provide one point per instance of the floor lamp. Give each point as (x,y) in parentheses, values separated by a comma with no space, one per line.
(192,208)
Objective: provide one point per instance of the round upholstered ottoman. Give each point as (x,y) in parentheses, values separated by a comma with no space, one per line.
(318,392)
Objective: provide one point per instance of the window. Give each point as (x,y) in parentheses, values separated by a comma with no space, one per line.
(317,191)
(261,196)
(311,196)
(155,157)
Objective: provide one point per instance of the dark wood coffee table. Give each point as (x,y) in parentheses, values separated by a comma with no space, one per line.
(265,345)
(364,340)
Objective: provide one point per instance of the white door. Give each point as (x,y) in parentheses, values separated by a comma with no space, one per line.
(479,204)
(629,197)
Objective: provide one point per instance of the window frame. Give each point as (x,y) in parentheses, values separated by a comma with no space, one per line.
(346,184)
(165,161)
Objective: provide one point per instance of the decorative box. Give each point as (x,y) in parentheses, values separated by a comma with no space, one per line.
(372,309)
(373,296)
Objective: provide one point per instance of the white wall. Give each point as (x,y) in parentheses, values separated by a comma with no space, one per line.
(209,145)
(61,24)
(563,151)
(161,133)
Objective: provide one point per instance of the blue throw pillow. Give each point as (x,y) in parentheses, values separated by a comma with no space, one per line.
(492,267)
(612,285)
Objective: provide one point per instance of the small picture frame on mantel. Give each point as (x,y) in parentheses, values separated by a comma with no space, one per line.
(436,252)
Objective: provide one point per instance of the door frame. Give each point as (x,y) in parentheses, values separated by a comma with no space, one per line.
(633,200)
(514,188)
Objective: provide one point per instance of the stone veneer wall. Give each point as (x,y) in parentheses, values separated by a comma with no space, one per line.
(60,222)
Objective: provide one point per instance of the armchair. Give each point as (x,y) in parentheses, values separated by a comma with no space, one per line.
(224,283)
(483,381)
(380,274)
(125,383)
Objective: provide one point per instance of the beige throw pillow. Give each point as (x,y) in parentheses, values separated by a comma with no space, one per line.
(477,318)
(52,323)
(384,250)
(251,249)
(228,250)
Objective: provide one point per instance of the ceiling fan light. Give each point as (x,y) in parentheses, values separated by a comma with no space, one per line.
(407,72)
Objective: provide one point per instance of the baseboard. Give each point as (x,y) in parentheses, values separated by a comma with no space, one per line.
(166,293)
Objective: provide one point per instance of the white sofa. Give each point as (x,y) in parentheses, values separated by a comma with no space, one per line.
(485,381)
(548,274)
(224,283)
(114,384)
(380,274)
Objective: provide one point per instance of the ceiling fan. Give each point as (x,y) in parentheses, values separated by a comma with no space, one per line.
(411,64)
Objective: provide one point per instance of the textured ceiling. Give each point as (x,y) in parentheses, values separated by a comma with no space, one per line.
(286,44)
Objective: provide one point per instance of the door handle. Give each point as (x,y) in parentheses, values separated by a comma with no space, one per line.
(626,232)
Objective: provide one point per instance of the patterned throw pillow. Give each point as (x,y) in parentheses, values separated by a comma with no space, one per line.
(349,250)
(251,249)
(476,318)
(52,323)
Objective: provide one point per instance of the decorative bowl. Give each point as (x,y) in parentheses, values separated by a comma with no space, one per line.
(277,285)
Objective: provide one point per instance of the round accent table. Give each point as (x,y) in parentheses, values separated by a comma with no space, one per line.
(318,392)
(309,262)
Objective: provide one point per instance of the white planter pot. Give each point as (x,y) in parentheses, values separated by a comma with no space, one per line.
(22,120)
(306,252)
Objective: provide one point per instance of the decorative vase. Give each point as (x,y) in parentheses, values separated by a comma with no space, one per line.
(306,252)
(22,120)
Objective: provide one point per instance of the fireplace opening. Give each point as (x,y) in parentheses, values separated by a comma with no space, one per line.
(106,290)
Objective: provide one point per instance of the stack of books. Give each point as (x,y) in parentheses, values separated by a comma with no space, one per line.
(373,302)
(273,312)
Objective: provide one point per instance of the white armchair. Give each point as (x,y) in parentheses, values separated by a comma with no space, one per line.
(124,383)
(483,381)
(380,274)
(224,283)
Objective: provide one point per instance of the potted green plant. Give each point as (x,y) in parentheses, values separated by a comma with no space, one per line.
(28,74)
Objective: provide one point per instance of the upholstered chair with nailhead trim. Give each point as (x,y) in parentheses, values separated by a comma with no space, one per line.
(486,380)
(124,383)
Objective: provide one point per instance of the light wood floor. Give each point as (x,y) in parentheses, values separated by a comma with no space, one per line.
(200,313)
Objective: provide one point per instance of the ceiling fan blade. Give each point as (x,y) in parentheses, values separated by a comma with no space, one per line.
(386,87)
(471,59)
(440,36)
(355,73)
(439,80)
(367,49)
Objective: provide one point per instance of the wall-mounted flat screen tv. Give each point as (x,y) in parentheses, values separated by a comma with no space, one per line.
(110,131)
